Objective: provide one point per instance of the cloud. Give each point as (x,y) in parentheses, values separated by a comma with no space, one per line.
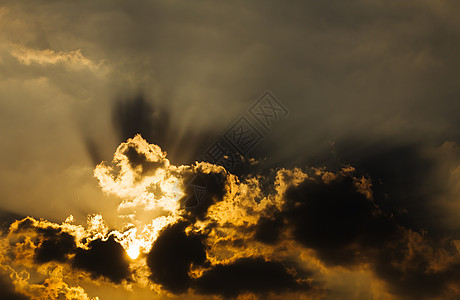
(151,189)
(72,59)
(35,269)
(54,245)
(211,184)
(284,233)
(336,220)
(415,269)
(249,275)
(336,215)
(129,180)
(7,218)
(42,257)
(379,80)
(268,229)
(357,54)
(413,182)
(50,241)
(339,220)
(104,258)
(172,255)
(8,289)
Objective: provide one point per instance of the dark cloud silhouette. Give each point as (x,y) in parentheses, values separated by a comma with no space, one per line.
(268,229)
(416,277)
(334,218)
(201,191)
(402,178)
(104,258)
(172,255)
(410,181)
(248,275)
(54,245)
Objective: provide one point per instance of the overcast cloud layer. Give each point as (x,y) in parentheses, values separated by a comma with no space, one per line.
(372,130)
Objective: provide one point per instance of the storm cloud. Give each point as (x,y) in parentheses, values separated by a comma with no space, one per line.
(171,256)
(108,111)
(104,258)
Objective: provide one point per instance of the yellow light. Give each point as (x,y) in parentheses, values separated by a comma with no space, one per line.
(133,251)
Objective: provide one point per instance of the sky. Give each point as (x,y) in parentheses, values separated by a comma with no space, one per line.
(229,150)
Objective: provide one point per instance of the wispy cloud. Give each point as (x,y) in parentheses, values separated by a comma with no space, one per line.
(72,59)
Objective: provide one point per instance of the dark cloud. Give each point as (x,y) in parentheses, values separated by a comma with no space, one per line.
(417,276)
(400,173)
(249,275)
(268,229)
(201,191)
(347,228)
(172,255)
(54,245)
(407,181)
(333,218)
(104,258)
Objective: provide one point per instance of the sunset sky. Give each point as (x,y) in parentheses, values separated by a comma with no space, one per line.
(229,150)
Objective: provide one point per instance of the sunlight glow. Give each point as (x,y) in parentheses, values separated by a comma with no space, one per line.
(133,251)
